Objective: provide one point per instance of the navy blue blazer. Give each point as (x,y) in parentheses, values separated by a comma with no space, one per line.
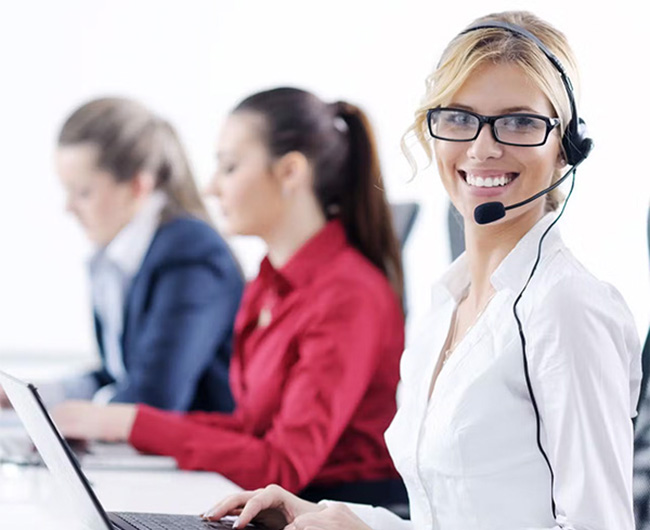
(178,322)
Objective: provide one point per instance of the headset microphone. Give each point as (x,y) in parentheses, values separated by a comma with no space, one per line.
(576,146)
(489,212)
(575,142)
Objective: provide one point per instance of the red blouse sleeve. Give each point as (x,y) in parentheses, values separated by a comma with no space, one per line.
(338,354)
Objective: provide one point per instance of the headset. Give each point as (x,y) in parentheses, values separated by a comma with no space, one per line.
(577,146)
(575,142)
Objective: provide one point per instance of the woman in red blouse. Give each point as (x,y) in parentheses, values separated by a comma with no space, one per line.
(320,331)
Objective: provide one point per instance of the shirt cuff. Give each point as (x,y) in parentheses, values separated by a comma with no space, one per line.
(376,518)
(157,431)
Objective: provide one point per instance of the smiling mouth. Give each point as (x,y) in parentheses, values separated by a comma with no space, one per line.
(494,181)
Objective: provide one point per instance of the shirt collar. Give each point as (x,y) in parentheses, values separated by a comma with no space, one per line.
(302,267)
(512,272)
(129,246)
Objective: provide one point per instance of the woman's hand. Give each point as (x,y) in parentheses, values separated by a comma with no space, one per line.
(272,506)
(335,516)
(4,400)
(87,421)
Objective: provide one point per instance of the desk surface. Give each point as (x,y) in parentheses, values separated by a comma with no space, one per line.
(29,500)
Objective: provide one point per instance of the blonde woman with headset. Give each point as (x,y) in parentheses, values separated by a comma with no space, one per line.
(508,421)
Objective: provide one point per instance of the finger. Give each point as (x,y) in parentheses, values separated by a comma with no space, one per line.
(262,501)
(229,505)
(300,526)
(315,521)
(67,419)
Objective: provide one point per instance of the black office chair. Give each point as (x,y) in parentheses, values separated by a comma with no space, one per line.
(641,481)
(404,215)
(641,477)
(456,228)
(645,364)
(645,354)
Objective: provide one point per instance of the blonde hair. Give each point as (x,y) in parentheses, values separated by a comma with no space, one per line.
(130,138)
(469,51)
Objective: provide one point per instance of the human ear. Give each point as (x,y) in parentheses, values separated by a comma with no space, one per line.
(143,183)
(293,171)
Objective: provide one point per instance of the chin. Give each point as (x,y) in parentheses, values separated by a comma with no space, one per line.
(92,237)
(230,229)
(100,240)
(227,231)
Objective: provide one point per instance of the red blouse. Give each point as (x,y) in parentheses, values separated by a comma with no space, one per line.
(314,374)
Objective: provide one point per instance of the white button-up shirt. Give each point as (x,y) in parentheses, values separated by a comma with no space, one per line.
(112,270)
(468,454)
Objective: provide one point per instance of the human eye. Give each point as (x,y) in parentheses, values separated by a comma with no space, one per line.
(458,119)
(226,167)
(521,124)
(84,192)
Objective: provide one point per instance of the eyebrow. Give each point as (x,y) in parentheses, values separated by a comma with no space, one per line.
(508,110)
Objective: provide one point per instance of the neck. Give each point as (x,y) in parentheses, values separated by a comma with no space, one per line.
(128,215)
(488,245)
(291,233)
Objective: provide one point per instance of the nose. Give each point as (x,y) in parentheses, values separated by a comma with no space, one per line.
(485,145)
(69,204)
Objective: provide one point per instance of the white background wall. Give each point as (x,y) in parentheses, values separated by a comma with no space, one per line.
(193,60)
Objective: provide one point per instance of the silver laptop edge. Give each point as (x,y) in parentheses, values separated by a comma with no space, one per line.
(54,451)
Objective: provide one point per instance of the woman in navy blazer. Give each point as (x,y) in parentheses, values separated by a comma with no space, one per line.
(178,322)
(165,284)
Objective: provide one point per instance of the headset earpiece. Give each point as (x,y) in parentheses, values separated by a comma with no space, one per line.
(577,145)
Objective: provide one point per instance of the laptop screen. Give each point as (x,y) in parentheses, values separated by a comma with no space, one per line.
(55,452)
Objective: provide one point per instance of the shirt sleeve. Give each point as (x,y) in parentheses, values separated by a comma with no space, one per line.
(337,355)
(375,517)
(584,360)
(191,313)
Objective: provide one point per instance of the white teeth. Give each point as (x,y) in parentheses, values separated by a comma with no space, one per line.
(488,182)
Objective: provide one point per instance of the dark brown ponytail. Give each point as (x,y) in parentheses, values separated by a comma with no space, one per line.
(365,212)
(338,141)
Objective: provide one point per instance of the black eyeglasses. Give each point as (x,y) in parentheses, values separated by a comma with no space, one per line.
(457,125)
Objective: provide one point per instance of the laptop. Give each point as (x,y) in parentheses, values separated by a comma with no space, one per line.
(16,447)
(62,463)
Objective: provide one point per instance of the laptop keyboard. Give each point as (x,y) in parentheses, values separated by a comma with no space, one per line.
(161,521)
(18,450)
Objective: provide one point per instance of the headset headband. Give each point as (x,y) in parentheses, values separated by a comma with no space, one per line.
(575,141)
(518,30)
